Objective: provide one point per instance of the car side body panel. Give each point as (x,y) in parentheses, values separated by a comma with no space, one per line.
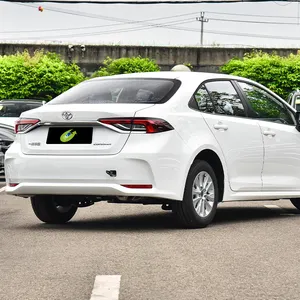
(162,160)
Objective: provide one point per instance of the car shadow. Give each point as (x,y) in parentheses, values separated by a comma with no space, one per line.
(164,221)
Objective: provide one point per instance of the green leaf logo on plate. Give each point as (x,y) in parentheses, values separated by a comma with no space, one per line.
(67,136)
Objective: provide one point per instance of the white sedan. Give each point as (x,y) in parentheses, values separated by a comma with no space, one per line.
(185,140)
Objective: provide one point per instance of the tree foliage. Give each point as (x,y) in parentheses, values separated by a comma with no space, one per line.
(40,76)
(126,65)
(280,74)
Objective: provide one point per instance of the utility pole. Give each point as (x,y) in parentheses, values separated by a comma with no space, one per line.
(202,20)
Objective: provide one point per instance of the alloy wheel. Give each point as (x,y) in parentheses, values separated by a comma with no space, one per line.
(203,194)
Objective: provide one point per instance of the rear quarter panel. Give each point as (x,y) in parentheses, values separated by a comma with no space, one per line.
(191,128)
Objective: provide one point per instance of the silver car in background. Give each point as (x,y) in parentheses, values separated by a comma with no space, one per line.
(294,99)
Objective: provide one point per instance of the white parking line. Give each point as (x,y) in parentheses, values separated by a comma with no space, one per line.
(281,210)
(272,206)
(2,189)
(106,287)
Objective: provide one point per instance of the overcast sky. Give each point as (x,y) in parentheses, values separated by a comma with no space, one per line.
(269,24)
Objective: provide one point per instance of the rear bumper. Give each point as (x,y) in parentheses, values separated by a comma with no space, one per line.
(29,189)
(159,166)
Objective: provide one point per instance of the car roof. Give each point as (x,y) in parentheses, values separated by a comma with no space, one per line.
(185,76)
(200,76)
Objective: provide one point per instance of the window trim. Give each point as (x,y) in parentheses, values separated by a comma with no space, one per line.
(176,85)
(251,112)
(193,102)
(195,106)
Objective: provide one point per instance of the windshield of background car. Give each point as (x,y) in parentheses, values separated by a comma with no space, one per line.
(14,110)
(137,90)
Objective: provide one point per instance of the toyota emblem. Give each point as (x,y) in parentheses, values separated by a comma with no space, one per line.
(67,115)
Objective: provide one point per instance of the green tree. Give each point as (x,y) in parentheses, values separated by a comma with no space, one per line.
(40,76)
(126,65)
(280,74)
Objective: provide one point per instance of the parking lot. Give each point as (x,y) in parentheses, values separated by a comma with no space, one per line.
(250,251)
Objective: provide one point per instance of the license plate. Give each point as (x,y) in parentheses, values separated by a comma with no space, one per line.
(70,135)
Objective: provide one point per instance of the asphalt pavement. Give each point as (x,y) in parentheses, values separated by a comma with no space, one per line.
(2,181)
(250,251)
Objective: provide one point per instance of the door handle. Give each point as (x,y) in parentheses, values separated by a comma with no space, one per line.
(269,133)
(221,127)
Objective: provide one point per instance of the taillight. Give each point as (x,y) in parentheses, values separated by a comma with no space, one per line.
(23,125)
(147,125)
(137,186)
(13,184)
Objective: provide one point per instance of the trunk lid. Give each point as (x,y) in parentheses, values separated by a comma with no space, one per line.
(81,134)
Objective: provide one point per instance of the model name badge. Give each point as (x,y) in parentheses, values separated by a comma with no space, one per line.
(36,144)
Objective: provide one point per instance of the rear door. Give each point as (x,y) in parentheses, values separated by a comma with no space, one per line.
(239,137)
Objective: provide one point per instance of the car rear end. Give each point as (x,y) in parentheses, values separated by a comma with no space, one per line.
(104,137)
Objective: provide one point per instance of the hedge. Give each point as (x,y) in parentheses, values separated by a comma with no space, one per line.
(126,65)
(40,76)
(280,74)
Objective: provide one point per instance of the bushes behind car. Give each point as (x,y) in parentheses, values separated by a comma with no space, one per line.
(40,76)
(280,74)
(126,65)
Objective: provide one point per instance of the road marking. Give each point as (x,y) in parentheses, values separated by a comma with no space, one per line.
(282,211)
(2,189)
(272,206)
(106,287)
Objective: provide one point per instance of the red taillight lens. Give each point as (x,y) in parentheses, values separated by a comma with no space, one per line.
(148,125)
(13,184)
(23,125)
(137,186)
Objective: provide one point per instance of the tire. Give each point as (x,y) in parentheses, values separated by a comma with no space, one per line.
(48,211)
(193,213)
(296,202)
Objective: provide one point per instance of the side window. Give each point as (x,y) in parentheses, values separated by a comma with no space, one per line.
(203,100)
(265,106)
(225,98)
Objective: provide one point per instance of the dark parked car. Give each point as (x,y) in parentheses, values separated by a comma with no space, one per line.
(10,110)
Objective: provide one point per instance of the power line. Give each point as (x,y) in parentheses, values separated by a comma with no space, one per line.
(148,25)
(97,16)
(253,35)
(178,28)
(139,2)
(98,26)
(76,13)
(250,15)
(136,28)
(251,21)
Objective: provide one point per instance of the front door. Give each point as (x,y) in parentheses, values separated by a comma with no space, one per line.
(281,171)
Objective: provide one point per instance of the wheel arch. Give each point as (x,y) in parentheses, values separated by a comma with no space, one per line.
(214,160)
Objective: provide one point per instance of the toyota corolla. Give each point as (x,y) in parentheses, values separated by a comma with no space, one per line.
(187,141)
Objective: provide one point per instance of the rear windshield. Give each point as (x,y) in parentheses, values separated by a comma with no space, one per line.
(119,91)
(14,110)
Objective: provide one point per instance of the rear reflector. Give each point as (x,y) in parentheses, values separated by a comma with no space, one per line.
(137,186)
(146,125)
(13,184)
(23,125)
